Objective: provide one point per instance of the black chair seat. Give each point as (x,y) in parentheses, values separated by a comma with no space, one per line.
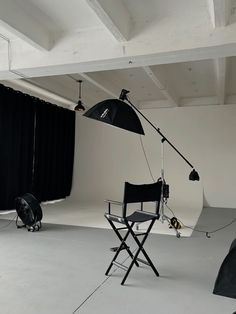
(141,216)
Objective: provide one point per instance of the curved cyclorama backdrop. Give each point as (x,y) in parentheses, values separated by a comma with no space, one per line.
(106,157)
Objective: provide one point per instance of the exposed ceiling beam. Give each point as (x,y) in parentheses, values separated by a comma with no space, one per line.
(7,75)
(15,20)
(164,90)
(98,85)
(97,52)
(199,101)
(219,12)
(183,102)
(221,73)
(114,16)
(154,104)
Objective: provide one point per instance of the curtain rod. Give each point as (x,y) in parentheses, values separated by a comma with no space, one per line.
(39,91)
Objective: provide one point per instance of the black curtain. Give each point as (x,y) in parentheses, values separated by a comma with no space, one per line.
(54,152)
(16,142)
(37,148)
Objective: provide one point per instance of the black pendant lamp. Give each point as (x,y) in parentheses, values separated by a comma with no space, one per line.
(79,106)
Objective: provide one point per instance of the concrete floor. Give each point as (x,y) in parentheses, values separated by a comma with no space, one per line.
(60,270)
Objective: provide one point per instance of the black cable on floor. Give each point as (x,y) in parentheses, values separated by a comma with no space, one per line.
(101,284)
(89,296)
(207,233)
(8,224)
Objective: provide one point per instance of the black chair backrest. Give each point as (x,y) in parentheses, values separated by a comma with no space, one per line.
(140,193)
(135,193)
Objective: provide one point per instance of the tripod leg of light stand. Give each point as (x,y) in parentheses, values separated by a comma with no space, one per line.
(178,234)
(163,216)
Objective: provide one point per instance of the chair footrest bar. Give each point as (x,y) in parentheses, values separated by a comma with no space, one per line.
(120,265)
(115,248)
(140,234)
(142,261)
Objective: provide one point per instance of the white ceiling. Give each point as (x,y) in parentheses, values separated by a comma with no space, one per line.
(167,53)
(60,15)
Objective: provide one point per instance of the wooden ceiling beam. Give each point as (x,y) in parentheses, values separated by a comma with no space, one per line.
(113,16)
(169,95)
(219,12)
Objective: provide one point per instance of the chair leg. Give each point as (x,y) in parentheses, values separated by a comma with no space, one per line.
(140,244)
(140,248)
(123,244)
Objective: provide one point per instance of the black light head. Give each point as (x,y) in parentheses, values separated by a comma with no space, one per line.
(194,176)
(123,94)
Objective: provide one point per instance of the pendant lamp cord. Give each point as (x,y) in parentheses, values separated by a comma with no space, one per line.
(80,83)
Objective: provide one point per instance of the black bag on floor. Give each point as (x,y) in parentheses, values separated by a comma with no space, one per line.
(29,211)
(225,284)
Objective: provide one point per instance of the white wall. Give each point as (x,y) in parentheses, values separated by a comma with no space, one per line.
(105,157)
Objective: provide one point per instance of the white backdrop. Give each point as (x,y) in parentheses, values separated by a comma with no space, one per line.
(105,157)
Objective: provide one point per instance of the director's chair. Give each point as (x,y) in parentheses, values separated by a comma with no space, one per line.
(141,194)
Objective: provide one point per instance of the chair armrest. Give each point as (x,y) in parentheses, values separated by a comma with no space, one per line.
(113,202)
(109,202)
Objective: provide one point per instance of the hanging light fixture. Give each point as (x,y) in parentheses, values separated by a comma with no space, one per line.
(79,106)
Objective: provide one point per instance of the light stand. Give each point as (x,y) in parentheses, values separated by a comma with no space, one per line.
(193,175)
(163,196)
(162,179)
